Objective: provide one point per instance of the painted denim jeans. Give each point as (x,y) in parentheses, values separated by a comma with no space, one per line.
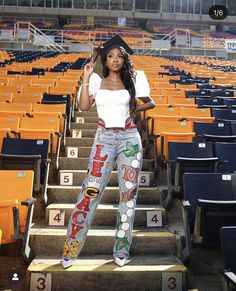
(124,147)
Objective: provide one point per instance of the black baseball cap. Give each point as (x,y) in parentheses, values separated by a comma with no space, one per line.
(116,40)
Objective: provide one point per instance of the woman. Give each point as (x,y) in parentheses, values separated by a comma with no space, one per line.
(116,140)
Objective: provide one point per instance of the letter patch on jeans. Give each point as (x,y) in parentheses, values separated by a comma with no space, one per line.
(98,162)
(72,249)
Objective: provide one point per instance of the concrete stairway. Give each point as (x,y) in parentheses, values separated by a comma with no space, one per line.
(154,258)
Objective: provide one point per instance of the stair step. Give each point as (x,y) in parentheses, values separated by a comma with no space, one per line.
(82,164)
(84,125)
(85,114)
(83,152)
(84,132)
(84,142)
(94,273)
(78,177)
(69,194)
(106,214)
(87,119)
(48,240)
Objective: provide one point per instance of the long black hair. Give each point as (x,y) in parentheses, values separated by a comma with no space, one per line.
(127,74)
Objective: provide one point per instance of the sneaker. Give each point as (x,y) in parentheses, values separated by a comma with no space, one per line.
(66,263)
(120,261)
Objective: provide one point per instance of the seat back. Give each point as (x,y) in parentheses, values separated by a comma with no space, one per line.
(4,132)
(10,122)
(189,157)
(226,152)
(190,150)
(23,107)
(7,220)
(213,128)
(197,112)
(227,114)
(228,242)
(40,123)
(58,98)
(23,148)
(210,186)
(229,101)
(208,101)
(16,184)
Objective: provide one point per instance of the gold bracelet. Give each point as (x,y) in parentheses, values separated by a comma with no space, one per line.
(84,84)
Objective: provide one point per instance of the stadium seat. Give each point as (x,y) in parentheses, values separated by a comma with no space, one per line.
(197,93)
(228,250)
(27,154)
(9,216)
(213,128)
(229,101)
(4,132)
(180,130)
(233,127)
(6,97)
(51,98)
(224,93)
(220,131)
(53,111)
(226,152)
(20,107)
(181,101)
(42,128)
(209,203)
(12,123)
(224,114)
(27,97)
(18,186)
(210,102)
(188,157)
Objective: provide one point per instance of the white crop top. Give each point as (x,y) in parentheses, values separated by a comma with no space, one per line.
(113,105)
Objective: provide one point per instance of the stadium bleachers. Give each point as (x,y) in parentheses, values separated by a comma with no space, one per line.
(194,99)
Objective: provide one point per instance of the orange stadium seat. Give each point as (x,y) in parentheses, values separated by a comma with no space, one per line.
(16,193)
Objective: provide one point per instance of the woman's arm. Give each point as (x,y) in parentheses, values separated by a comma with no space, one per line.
(148,103)
(86,101)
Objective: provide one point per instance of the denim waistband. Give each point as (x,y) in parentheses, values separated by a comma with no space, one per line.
(129,123)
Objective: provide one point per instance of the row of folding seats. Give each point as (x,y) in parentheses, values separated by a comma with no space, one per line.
(198,157)
(39,128)
(211,93)
(48,127)
(209,196)
(177,99)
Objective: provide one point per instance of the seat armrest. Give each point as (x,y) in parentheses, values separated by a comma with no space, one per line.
(28,202)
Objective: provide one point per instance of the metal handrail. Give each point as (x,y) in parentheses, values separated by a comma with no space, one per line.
(33,32)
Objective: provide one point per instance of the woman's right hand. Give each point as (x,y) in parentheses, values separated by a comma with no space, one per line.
(88,69)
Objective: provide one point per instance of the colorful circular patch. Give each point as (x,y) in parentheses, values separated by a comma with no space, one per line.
(121,234)
(129,212)
(128,185)
(135,163)
(125,226)
(130,204)
(123,218)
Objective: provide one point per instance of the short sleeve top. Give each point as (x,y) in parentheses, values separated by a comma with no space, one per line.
(113,105)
